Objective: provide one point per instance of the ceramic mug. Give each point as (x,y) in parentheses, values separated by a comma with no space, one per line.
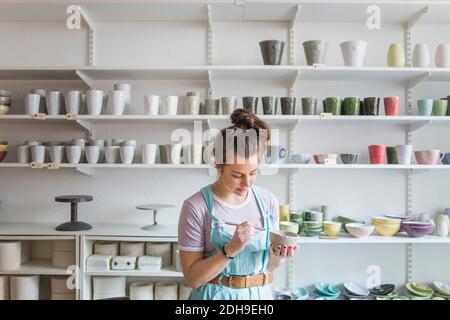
(32,103)
(377,153)
(391,155)
(429,156)
(53,101)
(171,105)
(42,104)
(421,56)
(112,154)
(446,159)
(73,154)
(371,106)
(353,53)
(127,154)
(151,105)
(229,104)
(94,101)
(72,100)
(276,154)
(396,56)
(440,107)
(315,52)
(404,153)
(101,144)
(425,107)
(270,104)
(309,106)
(116,102)
(37,153)
(56,153)
(392,106)
(332,105)
(272,51)
(92,154)
(442,57)
(148,153)
(193,105)
(126,88)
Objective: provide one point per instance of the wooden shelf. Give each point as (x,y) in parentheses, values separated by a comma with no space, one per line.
(40,267)
(169,271)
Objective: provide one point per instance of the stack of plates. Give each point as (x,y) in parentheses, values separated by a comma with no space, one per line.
(418,291)
(384,292)
(63,253)
(325,291)
(355,291)
(442,290)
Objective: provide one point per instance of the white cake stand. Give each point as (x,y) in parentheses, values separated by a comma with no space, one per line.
(155,208)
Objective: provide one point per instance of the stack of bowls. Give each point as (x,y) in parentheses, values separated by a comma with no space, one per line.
(384,292)
(312,224)
(288,226)
(402,218)
(441,289)
(5,101)
(3,150)
(418,291)
(325,291)
(359,230)
(297,217)
(355,291)
(331,228)
(385,226)
(417,229)
(345,220)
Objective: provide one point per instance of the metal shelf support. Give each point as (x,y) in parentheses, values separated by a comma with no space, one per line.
(92,34)
(292,35)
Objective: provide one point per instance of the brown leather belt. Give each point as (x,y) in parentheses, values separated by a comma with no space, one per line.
(240,282)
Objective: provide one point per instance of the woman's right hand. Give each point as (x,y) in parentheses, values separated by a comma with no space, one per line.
(244,233)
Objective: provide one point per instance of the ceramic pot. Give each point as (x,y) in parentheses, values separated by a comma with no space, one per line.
(272,51)
(333,105)
(442,58)
(396,55)
(377,153)
(141,291)
(350,106)
(160,249)
(151,105)
(353,53)
(170,153)
(421,56)
(108,287)
(37,154)
(112,154)
(371,106)
(42,104)
(32,103)
(72,100)
(92,154)
(165,290)
(73,154)
(126,88)
(270,104)
(127,154)
(446,160)
(391,155)
(149,153)
(250,104)
(116,102)
(309,106)
(23,154)
(170,104)
(288,105)
(56,153)
(53,100)
(425,107)
(392,106)
(440,108)
(24,287)
(404,153)
(193,105)
(315,52)
(212,106)
(94,102)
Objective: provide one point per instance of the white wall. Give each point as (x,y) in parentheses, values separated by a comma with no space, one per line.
(28,195)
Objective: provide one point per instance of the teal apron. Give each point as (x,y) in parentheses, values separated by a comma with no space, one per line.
(251,260)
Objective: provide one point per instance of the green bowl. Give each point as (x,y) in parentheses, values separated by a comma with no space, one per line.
(294,214)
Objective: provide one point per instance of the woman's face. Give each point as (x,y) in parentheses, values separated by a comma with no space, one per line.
(237,178)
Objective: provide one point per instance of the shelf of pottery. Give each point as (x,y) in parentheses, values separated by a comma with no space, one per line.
(37,267)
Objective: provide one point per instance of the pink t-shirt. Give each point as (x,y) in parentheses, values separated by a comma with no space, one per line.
(194,225)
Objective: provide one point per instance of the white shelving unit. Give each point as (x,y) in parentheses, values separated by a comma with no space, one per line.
(407,12)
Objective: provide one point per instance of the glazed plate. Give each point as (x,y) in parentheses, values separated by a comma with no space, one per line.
(356,289)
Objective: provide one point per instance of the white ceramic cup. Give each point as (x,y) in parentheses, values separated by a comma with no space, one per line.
(94,101)
(32,102)
(56,153)
(175,153)
(73,154)
(127,154)
(151,105)
(116,101)
(112,154)
(72,99)
(101,144)
(38,154)
(442,58)
(53,100)
(141,291)
(126,88)
(353,52)
(193,105)
(92,154)
(187,154)
(421,56)
(197,153)
(171,105)
(149,153)
(23,154)
(24,287)
(404,153)
(166,290)
(82,144)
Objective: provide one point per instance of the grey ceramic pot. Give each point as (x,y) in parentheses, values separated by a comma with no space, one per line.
(309,106)
(272,51)
(349,158)
(250,104)
(315,51)
(270,105)
(288,105)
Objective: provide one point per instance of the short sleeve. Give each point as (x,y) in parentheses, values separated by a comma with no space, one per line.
(191,235)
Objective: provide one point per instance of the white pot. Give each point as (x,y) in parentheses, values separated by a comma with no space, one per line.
(442,58)
(4,287)
(133,249)
(160,249)
(107,248)
(116,102)
(151,105)
(126,88)
(63,259)
(59,285)
(10,255)
(353,53)
(108,287)
(94,102)
(184,291)
(171,105)
(421,56)
(127,154)
(141,291)
(24,287)
(149,153)
(112,154)
(165,290)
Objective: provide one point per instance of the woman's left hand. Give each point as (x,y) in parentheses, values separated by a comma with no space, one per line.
(278,254)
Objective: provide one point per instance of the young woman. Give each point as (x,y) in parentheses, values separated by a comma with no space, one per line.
(221,260)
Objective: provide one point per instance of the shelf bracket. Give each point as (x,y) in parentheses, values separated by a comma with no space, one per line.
(85,170)
(418,125)
(292,83)
(210,91)
(88,81)
(85,124)
(418,79)
(409,262)
(415,172)
(210,35)
(293,128)
(91,25)
(413,21)
(292,35)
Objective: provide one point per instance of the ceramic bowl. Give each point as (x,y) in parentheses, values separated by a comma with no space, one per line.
(300,158)
(402,218)
(4,110)
(325,157)
(312,228)
(385,220)
(346,220)
(356,289)
(419,290)
(359,230)
(288,226)
(382,290)
(326,289)
(331,228)
(417,229)
(387,230)
(296,215)
(300,293)
(3,155)
(313,216)
(442,288)
(281,238)
(300,225)
(349,158)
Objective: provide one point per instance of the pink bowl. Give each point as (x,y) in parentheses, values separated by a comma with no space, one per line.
(3,155)
(417,229)
(320,158)
(428,156)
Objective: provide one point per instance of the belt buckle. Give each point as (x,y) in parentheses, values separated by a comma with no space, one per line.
(245,282)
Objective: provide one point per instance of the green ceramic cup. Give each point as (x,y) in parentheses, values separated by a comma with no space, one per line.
(439,108)
(391,155)
(351,106)
(333,105)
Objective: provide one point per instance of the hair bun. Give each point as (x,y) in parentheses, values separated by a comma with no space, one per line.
(243,119)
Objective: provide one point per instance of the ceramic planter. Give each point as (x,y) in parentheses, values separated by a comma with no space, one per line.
(170,104)
(193,105)
(151,105)
(24,287)
(72,100)
(272,51)
(315,52)
(350,106)
(116,102)
(160,249)
(309,106)
(53,102)
(332,105)
(149,153)
(396,56)
(421,56)
(440,108)
(165,290)
(250,104)
(270,105)
(391,155)
(42,104)
(126,88)
(229,104)
(392,106)
(10,255)
(94,102)
(442,58)
(377,154)
(32,103)
(108,287)
(425,107)
(288,105)
(212,106)
(353,53)
(141,291)
(404,153)
(371,106)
